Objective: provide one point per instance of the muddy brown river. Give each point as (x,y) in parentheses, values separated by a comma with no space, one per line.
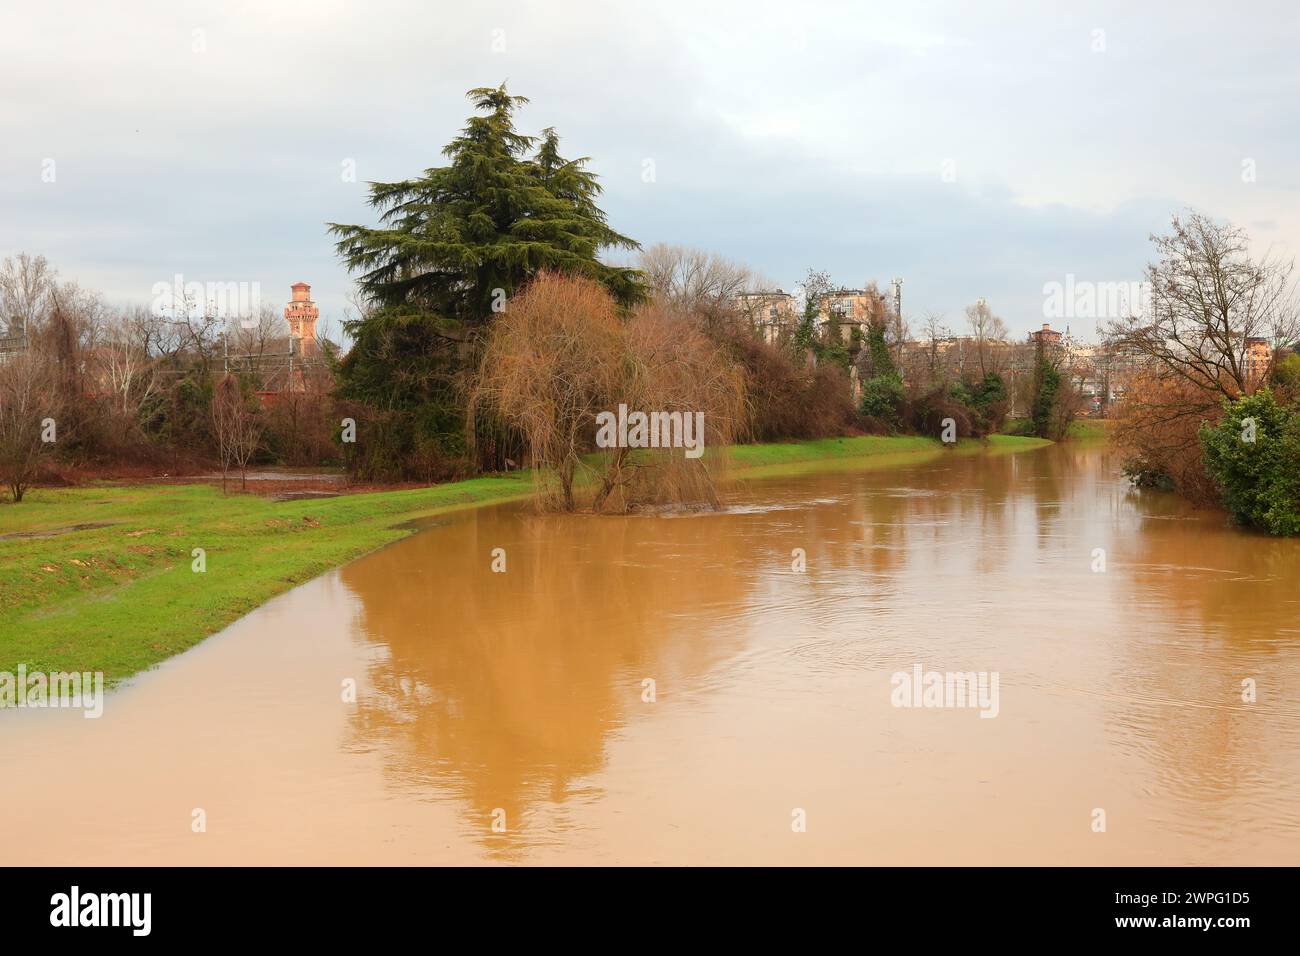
(672,689)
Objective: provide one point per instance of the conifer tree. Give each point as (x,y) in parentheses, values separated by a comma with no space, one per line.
(451,248)
(505,207)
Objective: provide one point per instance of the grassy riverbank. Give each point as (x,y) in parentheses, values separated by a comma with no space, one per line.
(1081,429)
(783,458)
(100,578)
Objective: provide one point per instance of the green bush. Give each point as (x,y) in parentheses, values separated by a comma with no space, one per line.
(882,398)
(927,415)
(1284,379)
(989,390)
(882,363)
(1259,478)
(1048,383)
(987,401)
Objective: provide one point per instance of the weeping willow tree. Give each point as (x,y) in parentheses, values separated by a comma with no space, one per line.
(562,358)
(451,247)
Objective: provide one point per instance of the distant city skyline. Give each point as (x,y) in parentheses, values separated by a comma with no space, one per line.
(975,160)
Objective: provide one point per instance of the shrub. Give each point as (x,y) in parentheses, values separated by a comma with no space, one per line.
(882,398)
(1144,474)
(827,405)
(775,385)
(983,404)
(788,398)
(926,415)
(301,426)
(1284,380)
(1156,431)
(1253,455)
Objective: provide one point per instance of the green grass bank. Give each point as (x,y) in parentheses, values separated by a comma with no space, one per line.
(101,578)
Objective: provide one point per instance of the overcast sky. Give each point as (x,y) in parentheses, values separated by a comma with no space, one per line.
(975,150)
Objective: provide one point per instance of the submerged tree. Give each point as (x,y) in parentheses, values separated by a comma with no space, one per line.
(1215,319)
(1211,306)
(561,360)
(552,364)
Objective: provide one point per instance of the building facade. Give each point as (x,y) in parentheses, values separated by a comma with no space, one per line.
(771,314)
(1046,335)
(850,309)
(1258,360)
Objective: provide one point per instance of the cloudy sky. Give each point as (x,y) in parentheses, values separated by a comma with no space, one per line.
(975,150)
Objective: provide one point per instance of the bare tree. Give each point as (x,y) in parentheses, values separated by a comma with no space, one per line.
(252,339)
(935,332)
(161,336)
(64,337)
(990,335)
(189,329)
(553,361)
(1211,304)
(29,404)
(694,279)
(125,366)
(676,370)
(560,357)
(1213,319)
(237,426)
(26,284)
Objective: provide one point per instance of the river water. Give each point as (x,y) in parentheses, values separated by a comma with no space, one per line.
(510,716)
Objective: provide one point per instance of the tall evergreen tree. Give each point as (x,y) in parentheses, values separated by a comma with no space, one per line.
(452,246)
(506,206)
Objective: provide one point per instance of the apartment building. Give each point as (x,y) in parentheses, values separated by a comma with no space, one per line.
(770,313)
(1258,359)
(850,309)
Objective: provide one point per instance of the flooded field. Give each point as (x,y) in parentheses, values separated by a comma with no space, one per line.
(674,689)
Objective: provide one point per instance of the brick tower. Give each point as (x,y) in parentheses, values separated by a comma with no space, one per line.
(301,314)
